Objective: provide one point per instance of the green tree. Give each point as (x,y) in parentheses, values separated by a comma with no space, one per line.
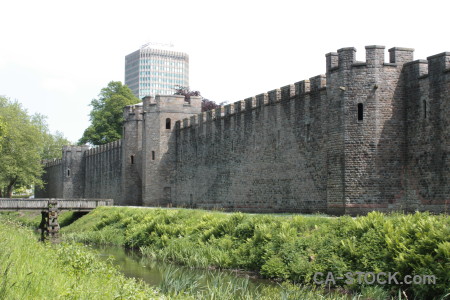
(52,143)
(107,114)
(3,131)
(21,148)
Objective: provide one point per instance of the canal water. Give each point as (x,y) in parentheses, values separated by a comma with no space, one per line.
(156,273)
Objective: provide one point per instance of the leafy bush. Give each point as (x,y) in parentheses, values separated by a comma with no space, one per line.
(288,247)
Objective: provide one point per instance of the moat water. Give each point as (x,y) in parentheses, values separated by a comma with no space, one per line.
(133,264)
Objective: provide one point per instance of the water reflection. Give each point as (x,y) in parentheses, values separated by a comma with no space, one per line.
(157,273)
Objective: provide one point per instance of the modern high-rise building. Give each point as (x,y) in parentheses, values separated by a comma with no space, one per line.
(152,70)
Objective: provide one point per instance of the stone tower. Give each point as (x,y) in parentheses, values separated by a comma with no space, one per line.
(366,148)
(132,156)
(73,177)
(159,145)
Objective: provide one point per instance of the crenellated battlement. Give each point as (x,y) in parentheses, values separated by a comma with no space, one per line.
(433,70)
(287,92)
(284,93)
(345,58)
(415,70)
(52,163)
(438,64)
(318,83)
(133,112)
(399,55)
(302,87)
(162,103)
(103,148)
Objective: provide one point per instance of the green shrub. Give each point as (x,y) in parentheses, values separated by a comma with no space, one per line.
(290,247)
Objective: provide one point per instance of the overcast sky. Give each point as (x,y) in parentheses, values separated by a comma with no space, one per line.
(56,56)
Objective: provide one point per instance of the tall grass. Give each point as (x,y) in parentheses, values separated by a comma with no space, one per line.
(33,270)
(177,284)
(288,247)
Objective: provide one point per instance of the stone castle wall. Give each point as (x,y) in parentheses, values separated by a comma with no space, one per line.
(338,142)
(370,135)
(52,178)
(266,153)
(103,172)
(84,173)
(428,133)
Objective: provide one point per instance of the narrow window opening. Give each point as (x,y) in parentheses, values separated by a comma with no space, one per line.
(278,138)
(424,109)
(168,123)
(132,159)
(360,111)
(153,155)
(308,132)
(68,172)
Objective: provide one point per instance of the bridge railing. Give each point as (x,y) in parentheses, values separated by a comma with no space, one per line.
(61,204)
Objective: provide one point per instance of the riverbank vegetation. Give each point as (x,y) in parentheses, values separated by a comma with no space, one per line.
(287,248)
(34,270)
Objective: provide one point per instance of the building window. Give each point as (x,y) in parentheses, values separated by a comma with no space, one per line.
(308,132)
(278,138)
(168,123)
(68,172)
(153,155)
(132,159)
(424,109)
(360,112)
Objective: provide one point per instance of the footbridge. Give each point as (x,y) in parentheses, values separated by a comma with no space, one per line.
(50,208)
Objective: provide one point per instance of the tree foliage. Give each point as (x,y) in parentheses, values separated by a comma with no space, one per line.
(187,93)
(106,115)
(24,141)
(20,160)
(52,144)
(3,131)
(209,104)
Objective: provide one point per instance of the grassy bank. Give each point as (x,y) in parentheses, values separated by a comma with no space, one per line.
(34,270)
(289,248)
